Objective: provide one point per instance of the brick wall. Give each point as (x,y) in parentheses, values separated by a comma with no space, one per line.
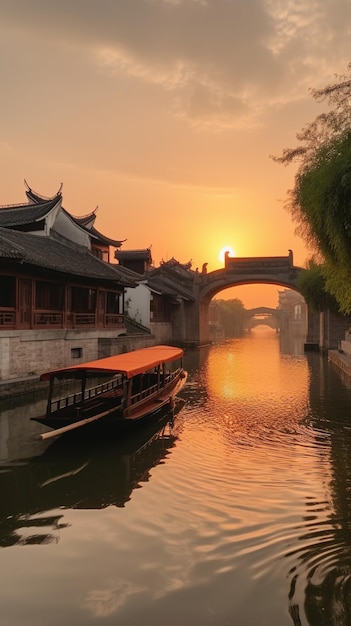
(29,353)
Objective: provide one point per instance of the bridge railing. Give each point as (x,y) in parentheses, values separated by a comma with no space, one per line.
(259,264)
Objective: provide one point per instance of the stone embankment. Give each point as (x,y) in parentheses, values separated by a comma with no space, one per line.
(341,358)
(18,387)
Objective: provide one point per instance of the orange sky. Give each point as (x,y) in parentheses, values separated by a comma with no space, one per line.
(164,113)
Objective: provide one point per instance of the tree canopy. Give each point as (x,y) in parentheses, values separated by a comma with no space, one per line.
(231,315)
(312,285)
(320,201)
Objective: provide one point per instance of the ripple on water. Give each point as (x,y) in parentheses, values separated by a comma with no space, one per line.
(249,507)
(267,466)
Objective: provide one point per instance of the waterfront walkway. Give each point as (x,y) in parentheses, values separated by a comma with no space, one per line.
(341,359)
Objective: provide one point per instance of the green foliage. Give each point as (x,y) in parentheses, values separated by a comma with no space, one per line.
(337,283)
(320,202)
(231,315)
(312,285)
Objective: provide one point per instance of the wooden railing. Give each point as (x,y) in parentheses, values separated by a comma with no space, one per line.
(92,392)
(82,319)
(114,319)
(57,319)
(63,403)
(113,384)
(149,391)
(141,395)
(48,319)
(103,388)
(7,318)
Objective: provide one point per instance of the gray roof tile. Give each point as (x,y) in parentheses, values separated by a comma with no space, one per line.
(58,256)
(22,214)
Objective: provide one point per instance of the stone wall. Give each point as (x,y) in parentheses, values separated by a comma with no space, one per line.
(342,362)
(333,329)
(27,354)
(126,343)
(162,331)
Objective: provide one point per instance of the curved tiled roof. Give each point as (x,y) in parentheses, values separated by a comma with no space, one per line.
(82,222)
(116,243)
(166,287)
(59,256)
(140,255)
(86,220)
(23,214)
(93,233)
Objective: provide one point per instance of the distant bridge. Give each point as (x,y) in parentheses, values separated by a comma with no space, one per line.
(263,315)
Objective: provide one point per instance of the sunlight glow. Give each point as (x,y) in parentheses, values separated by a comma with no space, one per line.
(222,252)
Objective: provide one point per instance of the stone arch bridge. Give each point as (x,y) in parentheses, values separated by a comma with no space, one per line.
(263,315)
(191,321)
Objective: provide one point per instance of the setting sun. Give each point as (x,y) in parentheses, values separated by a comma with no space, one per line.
(222,252)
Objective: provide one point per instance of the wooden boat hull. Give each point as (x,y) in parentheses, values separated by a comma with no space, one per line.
(114,420)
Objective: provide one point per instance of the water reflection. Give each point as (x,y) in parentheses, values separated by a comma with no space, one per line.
(321,577)
(292,409)
(68,475)
(247,521)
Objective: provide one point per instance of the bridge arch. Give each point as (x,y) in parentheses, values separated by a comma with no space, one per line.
(278,270)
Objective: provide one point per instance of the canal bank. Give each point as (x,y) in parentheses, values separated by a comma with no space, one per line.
(20,386)
(341,358)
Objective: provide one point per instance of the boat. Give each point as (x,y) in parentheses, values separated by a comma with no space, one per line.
(113,394)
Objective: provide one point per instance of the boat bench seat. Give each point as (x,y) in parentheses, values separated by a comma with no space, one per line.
(86,408)
(105,402)
(114,393)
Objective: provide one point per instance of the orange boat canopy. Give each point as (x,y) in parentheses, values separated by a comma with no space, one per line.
(129,363)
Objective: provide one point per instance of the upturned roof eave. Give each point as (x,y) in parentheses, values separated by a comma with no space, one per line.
(24,210)
(93,232)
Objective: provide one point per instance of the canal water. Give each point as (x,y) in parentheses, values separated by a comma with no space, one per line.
(238,512)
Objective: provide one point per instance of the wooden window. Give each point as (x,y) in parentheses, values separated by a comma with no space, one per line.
(112,302)
(8,291)
(49,296)
(160,309)
(83,300)
(101,253)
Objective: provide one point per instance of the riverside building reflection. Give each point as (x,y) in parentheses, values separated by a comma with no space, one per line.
(243,515)
(94,476)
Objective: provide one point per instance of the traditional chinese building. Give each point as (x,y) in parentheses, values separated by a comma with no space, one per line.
(161,294)
(59,294)
(294,311)
(139,261)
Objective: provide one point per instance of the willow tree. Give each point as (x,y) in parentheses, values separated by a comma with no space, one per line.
(320,201)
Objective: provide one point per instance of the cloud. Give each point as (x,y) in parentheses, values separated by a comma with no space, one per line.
(222,60)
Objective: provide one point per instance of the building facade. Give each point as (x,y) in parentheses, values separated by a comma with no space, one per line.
(59,293)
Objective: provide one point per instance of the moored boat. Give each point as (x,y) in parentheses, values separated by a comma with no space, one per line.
(114,393)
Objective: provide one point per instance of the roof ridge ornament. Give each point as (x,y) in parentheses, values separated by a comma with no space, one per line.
(39,195)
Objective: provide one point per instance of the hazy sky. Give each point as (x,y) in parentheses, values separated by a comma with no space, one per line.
(164,113)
